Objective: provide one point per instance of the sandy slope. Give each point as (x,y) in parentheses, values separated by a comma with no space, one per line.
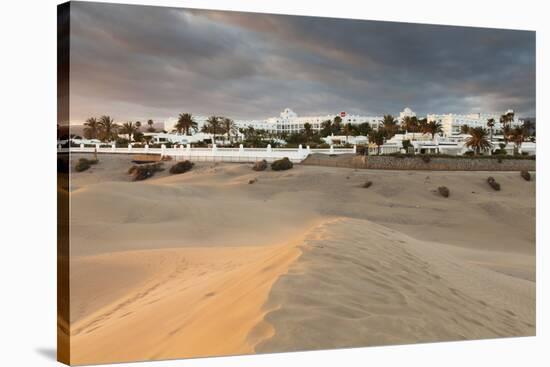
(200,302)
(369,285)
(184,265)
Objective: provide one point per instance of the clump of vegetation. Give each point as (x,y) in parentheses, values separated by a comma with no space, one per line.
(407,145)
(526,175)
(83,164)
(493,183)
(426,158)
(144,171)
(443,191)
(367,184)
(166,158)
(252,181)
(260,165)
(281,164)
(181,167)
(361,150)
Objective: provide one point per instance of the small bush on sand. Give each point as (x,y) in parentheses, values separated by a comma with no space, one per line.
(526,175)
(443,191)
(493,183)
(361,150)
(83,164)
(252,181)
(281,164)
(260,165)
(181,167)
(144,171)
(426,158)
(367,184)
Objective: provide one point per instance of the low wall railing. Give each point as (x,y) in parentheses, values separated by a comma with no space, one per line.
(213,154)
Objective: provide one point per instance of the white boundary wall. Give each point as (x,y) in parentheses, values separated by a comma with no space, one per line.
(215,154)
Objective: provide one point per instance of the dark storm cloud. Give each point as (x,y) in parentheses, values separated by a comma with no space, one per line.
(138,62)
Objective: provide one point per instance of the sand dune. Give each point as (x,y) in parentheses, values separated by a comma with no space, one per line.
(369,285)
(194,264)
(195,302)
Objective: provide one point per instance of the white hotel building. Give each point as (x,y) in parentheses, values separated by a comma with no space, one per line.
(289,122)
(451,123)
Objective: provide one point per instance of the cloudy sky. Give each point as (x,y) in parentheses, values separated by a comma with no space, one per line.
(140,62)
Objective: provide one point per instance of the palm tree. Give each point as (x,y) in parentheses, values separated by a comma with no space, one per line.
(377,137)
(213,127)
(506,133)
(423,125)
(148,138)
(364,129)
(506,121)
(410,124)
(336,127)
(91,129)
(347,130)
(186,123)
(478,140)
(229,127)
(129,129)
(150,129)
(138,125)
(517,136)
(390,126)
(491,124)
(108,128)
(432,128)
(465,129)
(308,131)
(326,128)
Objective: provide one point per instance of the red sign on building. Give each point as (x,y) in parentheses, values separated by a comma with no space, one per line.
(342,114)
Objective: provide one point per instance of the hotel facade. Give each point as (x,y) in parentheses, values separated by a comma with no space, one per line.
(289,122)
(452,123)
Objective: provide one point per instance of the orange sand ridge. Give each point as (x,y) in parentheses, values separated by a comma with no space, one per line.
(195,302)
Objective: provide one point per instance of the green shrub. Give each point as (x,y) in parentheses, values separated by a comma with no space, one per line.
(443,191)
(493,183)
(526,175)
(260,165)
(181,167)
(144,171)
(122,143)
(361,150)
(281,164)
(83,164)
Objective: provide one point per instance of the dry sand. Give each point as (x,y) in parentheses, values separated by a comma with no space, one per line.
(206,264)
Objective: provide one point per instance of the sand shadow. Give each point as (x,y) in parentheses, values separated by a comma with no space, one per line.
(49,353)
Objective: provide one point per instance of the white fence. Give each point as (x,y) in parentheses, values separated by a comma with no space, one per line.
(215,154)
